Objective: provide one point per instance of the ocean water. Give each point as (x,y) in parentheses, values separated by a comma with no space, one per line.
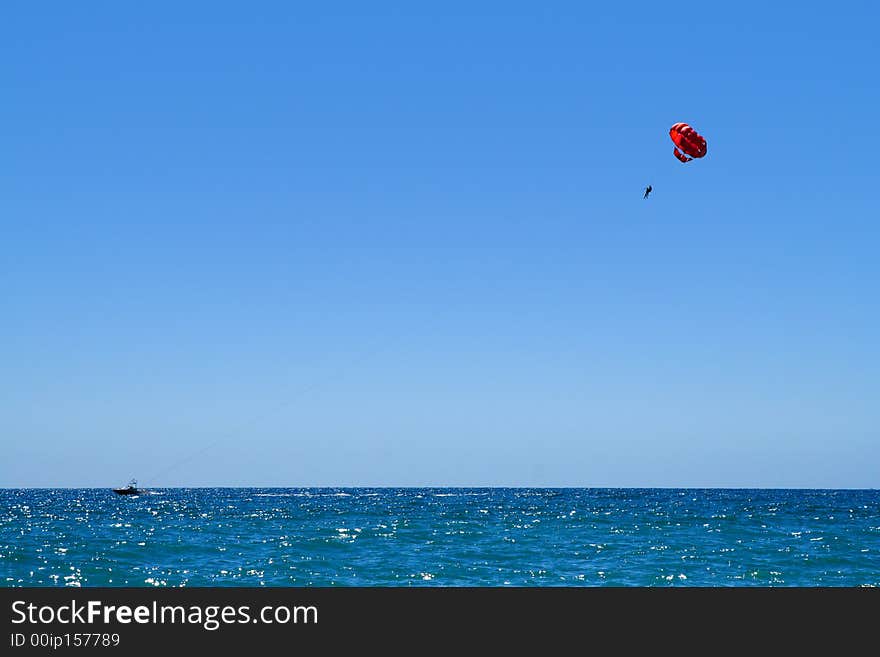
(440,537)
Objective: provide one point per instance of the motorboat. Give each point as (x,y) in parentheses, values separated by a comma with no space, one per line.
(131,489)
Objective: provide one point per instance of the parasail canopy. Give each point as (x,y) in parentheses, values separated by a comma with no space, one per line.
(688,140)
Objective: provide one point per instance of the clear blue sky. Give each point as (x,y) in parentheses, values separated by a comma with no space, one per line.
(372,244)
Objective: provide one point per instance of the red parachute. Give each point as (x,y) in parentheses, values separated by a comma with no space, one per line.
(688,140)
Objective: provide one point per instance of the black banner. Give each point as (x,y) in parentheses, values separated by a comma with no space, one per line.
(408,620)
